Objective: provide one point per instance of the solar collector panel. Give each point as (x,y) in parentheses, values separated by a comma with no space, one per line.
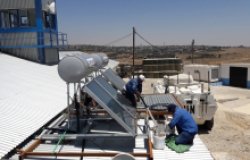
(111,76)
(106,96)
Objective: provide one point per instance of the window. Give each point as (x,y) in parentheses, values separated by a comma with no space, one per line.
(215,73)
(24,21)
(17,18)
(31,17)
(5,20)
(13,18)
(53,21)
(23,18)
(49,20)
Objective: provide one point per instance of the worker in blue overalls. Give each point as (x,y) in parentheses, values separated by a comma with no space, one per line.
(133,89)
(184,123)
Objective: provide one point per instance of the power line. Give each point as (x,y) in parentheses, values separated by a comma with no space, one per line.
(148,42)
(119,39)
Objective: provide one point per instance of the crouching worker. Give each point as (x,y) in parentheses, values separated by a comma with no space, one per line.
(133,89)
(184,123)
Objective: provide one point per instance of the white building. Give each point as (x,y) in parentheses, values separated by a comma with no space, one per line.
(205,73)
(237,74)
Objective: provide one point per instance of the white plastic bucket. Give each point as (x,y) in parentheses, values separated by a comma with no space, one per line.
(159,142)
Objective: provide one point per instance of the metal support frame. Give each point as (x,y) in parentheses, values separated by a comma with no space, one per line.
(83,154)
(85,136)
(30,150)
(69,137)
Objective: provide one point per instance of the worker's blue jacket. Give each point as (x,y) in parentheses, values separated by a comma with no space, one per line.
(183,121)
(134,85)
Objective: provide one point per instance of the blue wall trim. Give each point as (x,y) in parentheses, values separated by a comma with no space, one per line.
(225,81)
(17,30)
(40,34)
(28,46)
(248,84)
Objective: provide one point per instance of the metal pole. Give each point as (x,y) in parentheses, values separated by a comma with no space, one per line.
(68,96)
(192,51)
(133,70)
(189,81)
(177,78)
(208,77)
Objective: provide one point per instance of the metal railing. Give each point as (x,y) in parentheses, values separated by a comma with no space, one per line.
(33,40)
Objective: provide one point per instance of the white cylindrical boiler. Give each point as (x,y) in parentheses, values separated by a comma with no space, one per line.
(73,68)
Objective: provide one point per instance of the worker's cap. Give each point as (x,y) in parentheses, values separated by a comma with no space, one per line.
(171,107)
(142,77)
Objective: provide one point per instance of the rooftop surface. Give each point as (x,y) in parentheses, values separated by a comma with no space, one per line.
(32,94)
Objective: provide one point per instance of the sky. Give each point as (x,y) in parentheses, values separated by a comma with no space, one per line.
(161,22)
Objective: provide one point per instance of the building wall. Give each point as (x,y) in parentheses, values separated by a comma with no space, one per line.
(34,41)
(13,4)
(50,39)
(225,73)
(203,70)
(50,56)
(18,39)
(25,53)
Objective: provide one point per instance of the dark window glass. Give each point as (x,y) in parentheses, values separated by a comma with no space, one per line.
(31,17)
(49,20)
(13,18)
(46,20)
(5,20)
(1,20)
(53,21)
(23,18)
(215,73)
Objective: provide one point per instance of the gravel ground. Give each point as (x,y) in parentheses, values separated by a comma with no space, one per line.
(230,137)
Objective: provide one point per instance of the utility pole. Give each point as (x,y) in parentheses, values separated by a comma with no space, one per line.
(192,51)
(133,70)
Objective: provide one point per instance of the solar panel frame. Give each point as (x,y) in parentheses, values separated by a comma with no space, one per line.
(105,95)
(111,76)
(125,103)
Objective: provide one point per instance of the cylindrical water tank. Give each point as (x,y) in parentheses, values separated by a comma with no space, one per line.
(73,68)
(98,61)
(105,59)
(101,60)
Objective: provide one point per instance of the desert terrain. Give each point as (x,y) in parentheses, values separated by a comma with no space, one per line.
(230,137)
(225,55)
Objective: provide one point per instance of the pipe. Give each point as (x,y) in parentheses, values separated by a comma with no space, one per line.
(59,141)
(68,109)
(87,154)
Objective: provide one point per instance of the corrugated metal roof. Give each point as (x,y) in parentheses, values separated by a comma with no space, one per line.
(31,94)
(197,151)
